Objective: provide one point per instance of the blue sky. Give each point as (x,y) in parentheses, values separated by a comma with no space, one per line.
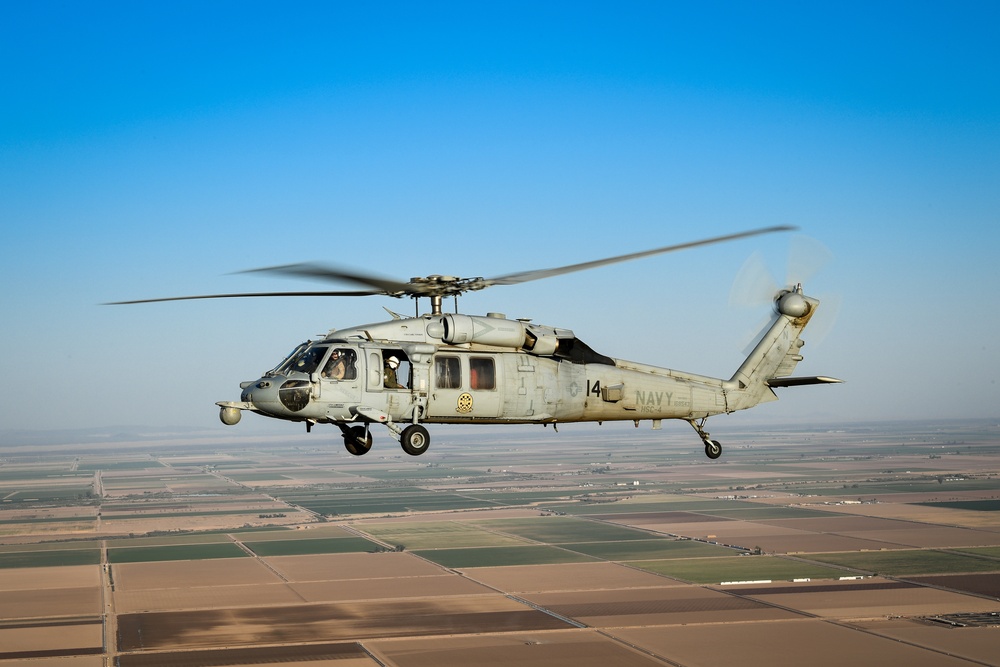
(154,149)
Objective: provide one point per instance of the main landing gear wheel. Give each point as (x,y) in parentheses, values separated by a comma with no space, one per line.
(713,449)
(357,440)
(414,439)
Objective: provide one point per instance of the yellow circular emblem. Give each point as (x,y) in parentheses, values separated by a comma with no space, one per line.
(465,403)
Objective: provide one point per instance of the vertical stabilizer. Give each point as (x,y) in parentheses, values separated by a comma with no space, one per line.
(777,353)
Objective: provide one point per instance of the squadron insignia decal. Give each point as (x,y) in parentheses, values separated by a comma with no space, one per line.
(464,403)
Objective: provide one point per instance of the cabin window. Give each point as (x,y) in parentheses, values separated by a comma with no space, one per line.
(447,373)
(482,373)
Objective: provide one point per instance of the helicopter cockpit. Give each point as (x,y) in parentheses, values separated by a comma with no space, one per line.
(308,358)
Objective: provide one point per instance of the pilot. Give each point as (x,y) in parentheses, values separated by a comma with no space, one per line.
(336,368)
(389,373)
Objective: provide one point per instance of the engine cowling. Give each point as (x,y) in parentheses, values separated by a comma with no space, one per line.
(489,330)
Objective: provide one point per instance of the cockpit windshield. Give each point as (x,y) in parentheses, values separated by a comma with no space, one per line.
(291,355)
(305,359)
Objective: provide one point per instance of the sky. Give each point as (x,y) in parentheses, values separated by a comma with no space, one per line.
(158,149)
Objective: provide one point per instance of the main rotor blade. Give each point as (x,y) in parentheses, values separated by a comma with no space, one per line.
(525,276)
(244,294)
(329,273)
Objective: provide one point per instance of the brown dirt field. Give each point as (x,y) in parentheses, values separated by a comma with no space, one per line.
(50,602)
(67,661)
(871,601)
(816,543)
(48,531)
(348,654)
(939,536)
(329,622)
(840,524)
(201,597)
(656,606)
(779,644)
(340,567)
(890,508)
(650,518)
(383,589)
(580,648)
(979,584)
(181,574)
(232,522)
(75,637)
(971,643)
(734,530)
(40,578)
(566,577)
(83,513)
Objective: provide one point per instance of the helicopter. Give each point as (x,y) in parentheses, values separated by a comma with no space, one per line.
(452,368)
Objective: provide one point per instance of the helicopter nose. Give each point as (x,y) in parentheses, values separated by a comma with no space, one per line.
(263,394)
(278,396)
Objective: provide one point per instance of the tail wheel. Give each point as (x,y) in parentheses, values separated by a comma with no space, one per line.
(414,439)
(357,440)
(713,449)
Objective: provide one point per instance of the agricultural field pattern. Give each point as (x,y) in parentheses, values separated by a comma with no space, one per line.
(866,544)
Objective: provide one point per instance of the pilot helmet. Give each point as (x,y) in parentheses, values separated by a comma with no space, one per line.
(392,361)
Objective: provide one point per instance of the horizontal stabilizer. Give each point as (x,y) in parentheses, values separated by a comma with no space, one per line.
(798,382)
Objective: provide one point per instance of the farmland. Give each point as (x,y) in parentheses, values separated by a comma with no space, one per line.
(840,545)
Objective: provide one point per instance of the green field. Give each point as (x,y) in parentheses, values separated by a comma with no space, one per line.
(976,505)
(108,466)
(682,505)
(194,513)
(502,556)
(266,534)
(68,495)
(989,552)
(178,552)
(384,502)
(75,545)
(763,513)
(737,568)
(649,549)
(556,530)
(169,540)
(526,497)
(908,562)
(331,545)
(437,534)
(50,558)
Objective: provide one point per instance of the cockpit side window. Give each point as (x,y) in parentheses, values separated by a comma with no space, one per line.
(341,365)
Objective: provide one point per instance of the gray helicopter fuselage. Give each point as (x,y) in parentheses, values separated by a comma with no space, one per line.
(466,369)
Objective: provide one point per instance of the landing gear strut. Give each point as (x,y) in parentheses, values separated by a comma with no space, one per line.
(713,448)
